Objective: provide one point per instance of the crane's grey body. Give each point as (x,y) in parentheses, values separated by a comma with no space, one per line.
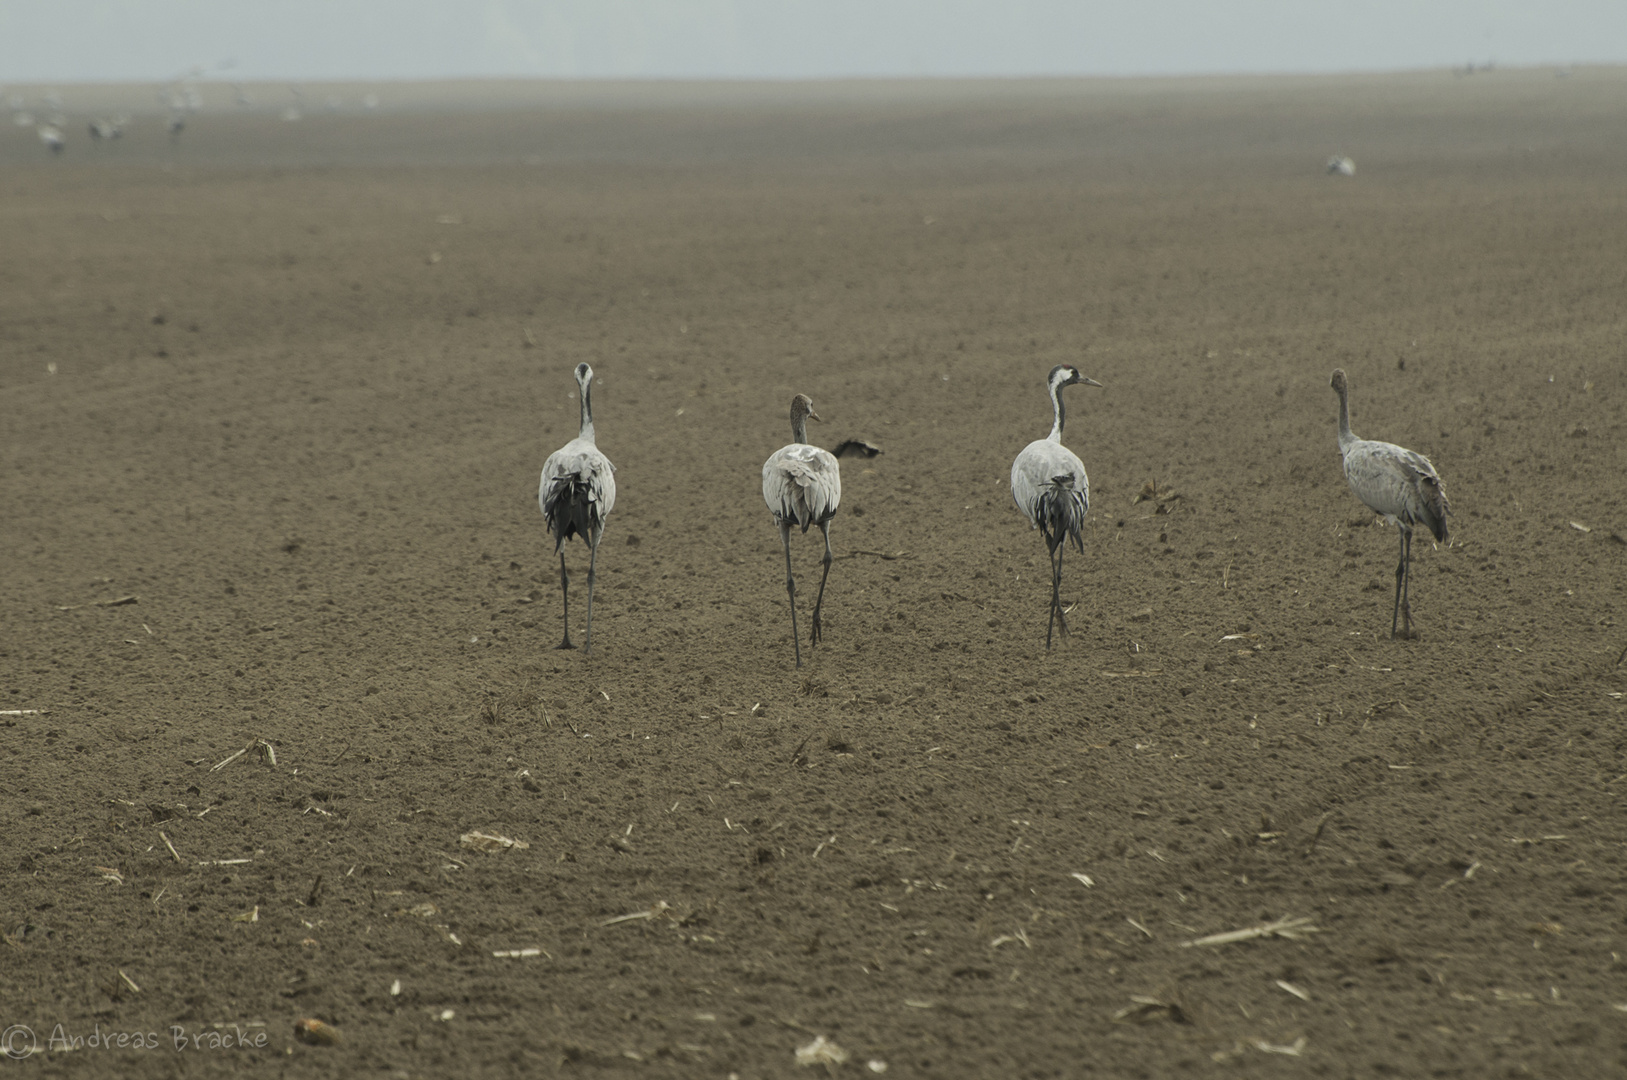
(802,485)
(577,493)
(1399,483)
(1049,483)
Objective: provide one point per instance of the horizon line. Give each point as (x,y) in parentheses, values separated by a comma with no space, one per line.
(223,78)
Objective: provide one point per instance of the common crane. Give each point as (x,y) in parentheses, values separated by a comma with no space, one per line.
(1049,483)
(1398,483)
(802,485)
(577,493)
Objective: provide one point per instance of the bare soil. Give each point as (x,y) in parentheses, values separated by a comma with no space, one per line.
(276,395)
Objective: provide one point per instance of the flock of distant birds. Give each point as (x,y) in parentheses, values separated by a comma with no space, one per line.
(802,487)
(180,100)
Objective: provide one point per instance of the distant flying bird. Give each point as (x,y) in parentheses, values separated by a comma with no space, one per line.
(1049,483)
(52,137)
(578,492)
(802,485)
(1341,166)
(1398,483)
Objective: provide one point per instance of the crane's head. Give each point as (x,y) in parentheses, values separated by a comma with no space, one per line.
(1340,384)
(1066,375)
(584,373)
(802,406)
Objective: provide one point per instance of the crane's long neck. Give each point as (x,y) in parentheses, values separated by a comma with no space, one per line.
(799,426)
(587,411)
(1345,437)
(1060,411)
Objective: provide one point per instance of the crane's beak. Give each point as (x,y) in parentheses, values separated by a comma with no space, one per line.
(1089,382)
(814,416)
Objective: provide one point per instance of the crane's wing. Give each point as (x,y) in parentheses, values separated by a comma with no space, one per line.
(1398,483)
(802,483)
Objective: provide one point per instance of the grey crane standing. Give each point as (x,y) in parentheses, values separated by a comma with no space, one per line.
(1049,483)
(1398,483)
(802,485)
(578,492)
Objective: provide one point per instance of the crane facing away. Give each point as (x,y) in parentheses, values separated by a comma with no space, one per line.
(577,493)
(802,485)
(1049,483)
(1398,483)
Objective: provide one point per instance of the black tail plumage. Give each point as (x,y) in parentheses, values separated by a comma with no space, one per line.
(571,511)
(1057,520)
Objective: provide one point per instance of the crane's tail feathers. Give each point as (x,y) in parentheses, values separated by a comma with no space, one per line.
(1060,513)
(572,510)
(802,508)
(802,518)
(1436,508)
(805,493)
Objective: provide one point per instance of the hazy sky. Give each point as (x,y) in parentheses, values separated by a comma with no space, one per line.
(81,40)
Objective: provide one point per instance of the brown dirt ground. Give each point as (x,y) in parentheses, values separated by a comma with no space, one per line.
(295,413)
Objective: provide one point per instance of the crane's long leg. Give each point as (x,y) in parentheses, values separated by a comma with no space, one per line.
(1056,588)
(565,591)
(1050,614)
(790,588)
(816,635)
(593,561)
(1406,587)
(1400,579)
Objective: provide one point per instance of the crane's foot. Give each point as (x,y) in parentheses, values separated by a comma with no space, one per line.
(1409,632)
(566,644)
(1057,622)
